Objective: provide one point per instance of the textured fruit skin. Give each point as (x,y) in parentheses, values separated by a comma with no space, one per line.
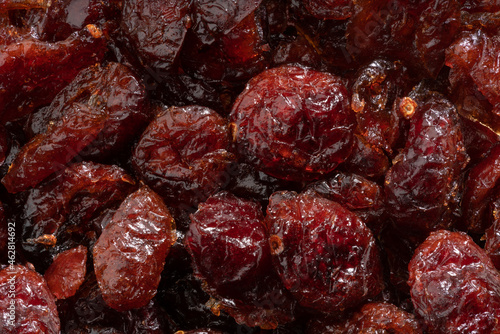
(329,9)
(99,112)
(454,286)
(74,197)
(480,191)
(474,54)
(375,317)
(421,184)
(183,154)
(367,159)
(215,18)
(32,72)
(67,272)
(293,123)
(143,19)
(35,308)
(375,30)
(361,196)
(228,243)
(324,254)
(492,235)
(130,253)
(375,92)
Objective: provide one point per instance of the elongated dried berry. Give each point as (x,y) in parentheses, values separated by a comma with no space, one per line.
(492,235)
(130,253)
(27,305)
(293,123)
(479,190)
(33,72)
(228,244)
(454,286)
(67,272)
(183,154)
(324,254)
(97,113)
(421,185)
(63,207)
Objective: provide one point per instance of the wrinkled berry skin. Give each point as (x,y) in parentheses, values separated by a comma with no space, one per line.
(329,9)
(183,154)
(492,236)
(98,113)
(293,123)
(35,308)
(64,207)
(480,190)
(324,254)
(421,185)
(65,275)
(376,317)
(363,197)
(130,253)
(156,29)
(33,72)
(454,286)
(229,247)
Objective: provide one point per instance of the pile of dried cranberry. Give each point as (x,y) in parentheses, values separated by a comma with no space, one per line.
(249,166)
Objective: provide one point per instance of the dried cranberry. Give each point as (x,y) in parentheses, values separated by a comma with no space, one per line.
(215,18)
(183,154)
(324,254)
(61,208)
(363,197)
(34,305)
(293,123)
(454,285)
(67,272)
(130,253)
(97,113)
(378,317)
(366,159)
(228,243)
(422,184)
(492,236)
(479,189)
(32,72)
(377,88)
(156,29)
(329,9)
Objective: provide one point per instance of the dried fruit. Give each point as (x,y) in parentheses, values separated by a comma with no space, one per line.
(27,305)
(100,111)
(293,123)
(156,30)
(454,285)
(32,72)
(130,253)
(67,272)
(479,190)
(183,154)
(421,185)
(228,244)
(324,254)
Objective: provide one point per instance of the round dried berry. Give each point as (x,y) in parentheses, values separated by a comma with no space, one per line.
(130,253)
(227,241)
(454,286)
(294,123)
(183,154)
(324,254)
